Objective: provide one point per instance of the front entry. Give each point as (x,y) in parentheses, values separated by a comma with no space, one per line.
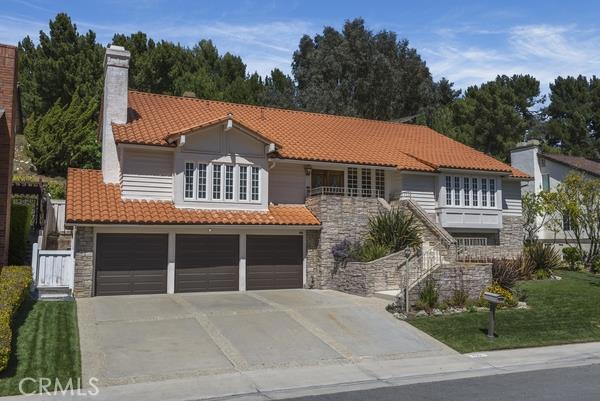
(274,262)
(206,262)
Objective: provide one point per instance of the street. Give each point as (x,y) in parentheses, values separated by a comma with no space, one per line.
(578,383)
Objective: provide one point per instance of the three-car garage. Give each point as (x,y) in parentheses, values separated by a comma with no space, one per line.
(138,263)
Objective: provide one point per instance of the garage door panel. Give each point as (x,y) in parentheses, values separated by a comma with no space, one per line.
(274,262)
(131,264)
(206,263)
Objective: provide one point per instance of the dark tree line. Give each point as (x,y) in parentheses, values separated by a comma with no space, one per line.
(353,72)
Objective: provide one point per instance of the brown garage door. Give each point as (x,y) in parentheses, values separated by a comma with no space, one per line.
(273,262)
(131,264)
(207,263)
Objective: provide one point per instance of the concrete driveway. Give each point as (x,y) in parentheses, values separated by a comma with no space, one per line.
(130,339)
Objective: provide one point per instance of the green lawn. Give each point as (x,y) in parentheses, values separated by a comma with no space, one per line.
(565,311)
(45,344)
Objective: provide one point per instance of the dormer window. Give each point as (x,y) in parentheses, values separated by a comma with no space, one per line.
(216,183)
(255,183)
(243,195)
(221,182)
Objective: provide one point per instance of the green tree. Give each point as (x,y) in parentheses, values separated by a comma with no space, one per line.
(577,200)
(574,116)
(63,64)
(279,91)
(494,116)
(64,137)
(360,73)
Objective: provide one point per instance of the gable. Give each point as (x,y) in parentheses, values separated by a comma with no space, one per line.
(216,140)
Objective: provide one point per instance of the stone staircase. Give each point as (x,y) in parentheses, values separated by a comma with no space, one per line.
(437,249)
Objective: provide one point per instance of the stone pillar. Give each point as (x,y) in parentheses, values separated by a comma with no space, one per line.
(84,262)
(511,235)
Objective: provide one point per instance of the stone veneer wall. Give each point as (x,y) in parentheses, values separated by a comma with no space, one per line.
(84,262)
(471,277)
(510,238)
(365,278)
(342,217)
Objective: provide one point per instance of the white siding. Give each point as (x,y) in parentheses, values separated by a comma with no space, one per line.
(420,188)
(214,145)
(287,183)
(147,174)
(511,198)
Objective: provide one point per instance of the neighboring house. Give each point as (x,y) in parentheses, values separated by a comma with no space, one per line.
(548,171)
(199,195)
(10,125)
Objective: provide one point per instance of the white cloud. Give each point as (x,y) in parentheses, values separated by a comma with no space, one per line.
(14,29)
(262,46)
(544,51)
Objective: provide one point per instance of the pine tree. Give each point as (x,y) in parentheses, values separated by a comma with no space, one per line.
(64,137)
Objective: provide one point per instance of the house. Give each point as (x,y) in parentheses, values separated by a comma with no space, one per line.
(548,171)
(10,125)
(199,195)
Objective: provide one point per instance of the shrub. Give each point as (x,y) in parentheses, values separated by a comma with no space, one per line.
(509,300)
(394,229)
(369,251)
(596,265)
(458,298)
(571,255)
(506,272)
(342,251)
(544,258)
(14,286)
(56,189)
(20,222)
(429,295)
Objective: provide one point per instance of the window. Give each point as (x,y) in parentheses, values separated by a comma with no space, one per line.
(492,192)
(546,182)
(484,200)
(352,181)
(202,181)
(466,186)
(457,191)
(380,183)
(216,184)
(243,183)
(229,182)
(566,223)
(188,192)
(365,176)
(475,193)
(448,190)
(255,183)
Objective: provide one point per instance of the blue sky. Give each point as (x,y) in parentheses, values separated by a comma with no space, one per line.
(468,42)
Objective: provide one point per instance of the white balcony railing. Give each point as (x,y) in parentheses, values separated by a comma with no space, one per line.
(471,241)
(345,191)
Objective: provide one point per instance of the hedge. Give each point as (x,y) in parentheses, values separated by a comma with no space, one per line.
(20,223)
(14,287)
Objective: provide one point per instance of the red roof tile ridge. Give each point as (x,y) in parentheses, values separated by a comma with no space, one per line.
(252,106)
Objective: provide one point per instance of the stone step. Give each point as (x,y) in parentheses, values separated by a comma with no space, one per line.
(54,293)
(388,295)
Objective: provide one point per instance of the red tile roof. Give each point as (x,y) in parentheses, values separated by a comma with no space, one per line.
(307,136)
(90,200)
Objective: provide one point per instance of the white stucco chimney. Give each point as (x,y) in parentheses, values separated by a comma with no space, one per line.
(114,108)
(525,158)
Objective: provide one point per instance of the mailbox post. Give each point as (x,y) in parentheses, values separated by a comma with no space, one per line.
(494,300)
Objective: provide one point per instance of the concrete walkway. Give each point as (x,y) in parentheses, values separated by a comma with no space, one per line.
(269,384)
(135,339)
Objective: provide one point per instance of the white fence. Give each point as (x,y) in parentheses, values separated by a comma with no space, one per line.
(55,216)
(53,269)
